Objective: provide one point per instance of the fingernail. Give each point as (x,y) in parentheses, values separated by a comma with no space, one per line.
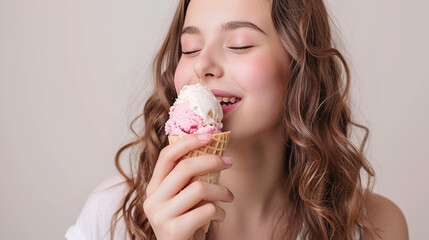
(227,160)
(204,136)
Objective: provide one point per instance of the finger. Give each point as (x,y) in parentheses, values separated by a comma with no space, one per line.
(199,234)
(193,194)
(200,216)
(170,154)
(180,176)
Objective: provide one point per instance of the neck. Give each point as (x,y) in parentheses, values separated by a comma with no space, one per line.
(257,177)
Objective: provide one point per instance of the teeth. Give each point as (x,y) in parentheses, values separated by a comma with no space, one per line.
(225,100)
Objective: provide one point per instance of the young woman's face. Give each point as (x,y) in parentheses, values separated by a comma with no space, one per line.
(232,46)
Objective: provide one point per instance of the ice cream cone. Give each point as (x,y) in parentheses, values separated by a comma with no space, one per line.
(216,146)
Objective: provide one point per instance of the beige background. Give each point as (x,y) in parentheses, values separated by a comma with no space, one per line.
(72,77)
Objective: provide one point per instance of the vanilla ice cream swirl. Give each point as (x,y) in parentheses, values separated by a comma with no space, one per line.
(202,102)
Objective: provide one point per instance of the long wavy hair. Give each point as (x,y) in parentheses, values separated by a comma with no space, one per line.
(324,181)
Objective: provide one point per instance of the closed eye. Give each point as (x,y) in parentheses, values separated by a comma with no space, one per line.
(240,48)
(233,48)
(190,52)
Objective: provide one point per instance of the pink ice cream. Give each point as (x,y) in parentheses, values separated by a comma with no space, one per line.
(196,110)
(184,121)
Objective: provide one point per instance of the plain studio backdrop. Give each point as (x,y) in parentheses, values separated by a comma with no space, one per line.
(74,74)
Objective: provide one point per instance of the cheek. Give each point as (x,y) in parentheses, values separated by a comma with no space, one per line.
(261,76)
(262,79)
(182,76)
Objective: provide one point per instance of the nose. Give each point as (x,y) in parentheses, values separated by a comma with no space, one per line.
(207,66)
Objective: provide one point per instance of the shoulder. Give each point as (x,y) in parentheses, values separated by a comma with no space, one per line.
(95,218)
(387,218)
(108,195)
(114,182)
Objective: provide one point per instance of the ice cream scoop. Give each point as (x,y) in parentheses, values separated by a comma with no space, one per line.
(196,110)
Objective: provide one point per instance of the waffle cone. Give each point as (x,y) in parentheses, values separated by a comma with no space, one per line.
(216,146)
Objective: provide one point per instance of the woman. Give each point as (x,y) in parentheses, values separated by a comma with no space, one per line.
(290,171)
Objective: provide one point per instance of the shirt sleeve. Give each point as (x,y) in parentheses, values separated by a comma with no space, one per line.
(94,220)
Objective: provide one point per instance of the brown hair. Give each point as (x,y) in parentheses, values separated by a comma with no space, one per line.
(323,165)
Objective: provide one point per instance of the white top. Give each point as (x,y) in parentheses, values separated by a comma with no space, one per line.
(94,220)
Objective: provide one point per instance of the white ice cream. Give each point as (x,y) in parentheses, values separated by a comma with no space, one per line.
(202,102)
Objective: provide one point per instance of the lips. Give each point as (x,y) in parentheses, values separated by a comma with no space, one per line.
(228,108)
(227,100)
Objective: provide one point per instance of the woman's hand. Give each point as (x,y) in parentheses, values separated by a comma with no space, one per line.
(171,204)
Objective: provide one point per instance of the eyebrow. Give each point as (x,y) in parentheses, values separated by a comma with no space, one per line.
(229,26)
